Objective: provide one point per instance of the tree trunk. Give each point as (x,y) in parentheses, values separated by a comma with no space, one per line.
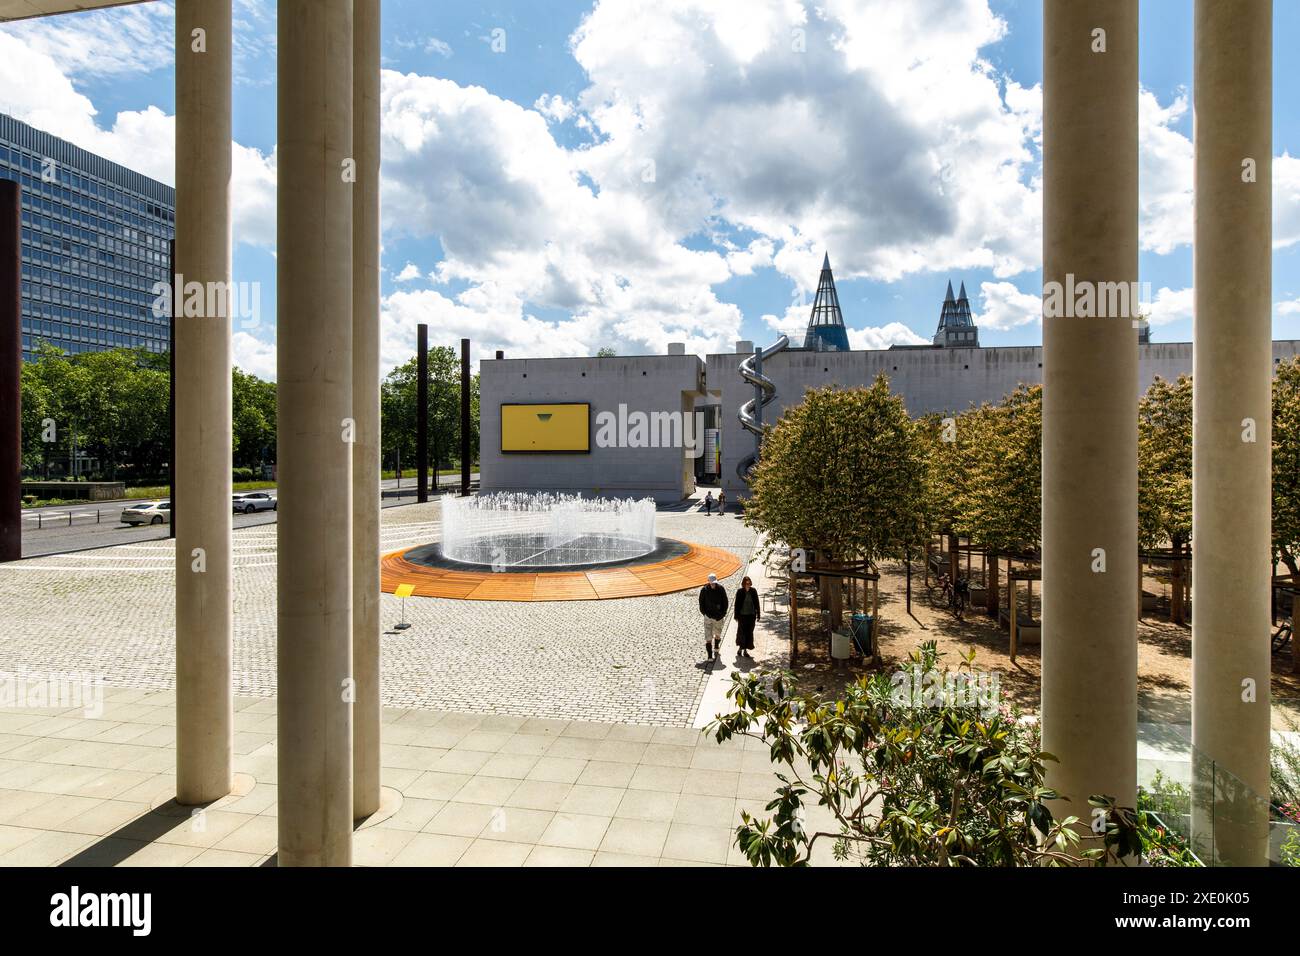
(1176,584)
(1289,560)
(991,583)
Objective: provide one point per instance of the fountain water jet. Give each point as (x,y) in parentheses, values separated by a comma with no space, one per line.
(545,531)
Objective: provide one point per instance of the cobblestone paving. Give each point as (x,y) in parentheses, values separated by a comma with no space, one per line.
(109,612)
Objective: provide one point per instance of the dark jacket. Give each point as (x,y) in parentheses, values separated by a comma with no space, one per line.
(754,610)
(713,601)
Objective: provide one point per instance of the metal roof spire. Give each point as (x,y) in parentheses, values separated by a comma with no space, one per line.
(826,332)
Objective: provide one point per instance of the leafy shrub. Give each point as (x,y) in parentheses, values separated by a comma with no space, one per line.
(909,785)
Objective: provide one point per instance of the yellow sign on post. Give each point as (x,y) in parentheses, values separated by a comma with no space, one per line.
(403,591)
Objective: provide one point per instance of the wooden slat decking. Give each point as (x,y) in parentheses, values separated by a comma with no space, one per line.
(690,570)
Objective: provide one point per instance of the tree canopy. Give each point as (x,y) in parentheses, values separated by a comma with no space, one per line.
(1165,463)
(842,472)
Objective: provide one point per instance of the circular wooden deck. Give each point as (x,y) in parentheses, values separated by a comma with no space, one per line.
(689,570)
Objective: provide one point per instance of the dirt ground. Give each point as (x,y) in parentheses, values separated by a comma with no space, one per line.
(1164,650)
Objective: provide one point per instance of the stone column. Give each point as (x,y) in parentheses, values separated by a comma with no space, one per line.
(201,347)
(316,431)
(1232,376)
(365,409)
(1090,368)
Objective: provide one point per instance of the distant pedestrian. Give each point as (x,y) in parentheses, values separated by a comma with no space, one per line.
(708,503)
(713,609)
(747,609)
(722,500)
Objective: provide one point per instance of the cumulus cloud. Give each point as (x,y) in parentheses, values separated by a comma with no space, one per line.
(872,129)
(410,272)
(882,337)
(1170,305)
(554,107)
(253,355)
(34,88)
(1164,175)
(1286,201)
(1004,306)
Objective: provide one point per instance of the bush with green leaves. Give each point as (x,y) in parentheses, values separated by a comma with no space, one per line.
(941,784)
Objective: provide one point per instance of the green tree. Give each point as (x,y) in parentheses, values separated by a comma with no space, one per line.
(842,472)
(1165,463)
(253,420)
(1002,501)
(1286,483)
(917,768)
(399,402)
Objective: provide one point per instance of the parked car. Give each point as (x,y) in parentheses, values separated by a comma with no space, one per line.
(248,502)
(149,512)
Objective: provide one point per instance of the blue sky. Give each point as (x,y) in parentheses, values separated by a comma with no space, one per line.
(564,176)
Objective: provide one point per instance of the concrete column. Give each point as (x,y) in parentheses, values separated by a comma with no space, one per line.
(314,362)
(201,348)
(11,363)
(1232,376)
(365,409)
(1090,367)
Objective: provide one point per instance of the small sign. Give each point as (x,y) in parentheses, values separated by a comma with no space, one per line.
(404,590)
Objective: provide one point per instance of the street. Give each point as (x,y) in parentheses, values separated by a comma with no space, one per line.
(60,529)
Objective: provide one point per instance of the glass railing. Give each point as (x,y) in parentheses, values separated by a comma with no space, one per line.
(1223,821)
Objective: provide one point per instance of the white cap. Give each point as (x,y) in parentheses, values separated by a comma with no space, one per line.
(713,579)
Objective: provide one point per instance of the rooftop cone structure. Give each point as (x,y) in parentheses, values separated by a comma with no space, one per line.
(826,332)
(956,323)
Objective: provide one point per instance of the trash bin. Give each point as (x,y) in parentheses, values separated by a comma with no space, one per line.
(862,625)
(841,646)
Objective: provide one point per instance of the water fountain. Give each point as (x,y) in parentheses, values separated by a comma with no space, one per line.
(543,531)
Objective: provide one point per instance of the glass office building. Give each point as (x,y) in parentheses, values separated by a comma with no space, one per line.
(94,243)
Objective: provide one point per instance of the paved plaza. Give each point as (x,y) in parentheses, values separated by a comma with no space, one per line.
(460,789)
(515,734)
(109,612)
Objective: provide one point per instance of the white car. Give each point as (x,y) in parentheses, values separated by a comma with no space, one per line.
(248,502)
(149,512)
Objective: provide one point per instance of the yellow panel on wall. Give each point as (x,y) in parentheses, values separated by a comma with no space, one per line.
(546,428)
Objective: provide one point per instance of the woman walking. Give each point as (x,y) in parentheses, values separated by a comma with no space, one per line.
(748,609)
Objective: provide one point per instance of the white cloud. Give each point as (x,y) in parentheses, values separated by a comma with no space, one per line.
(794,323)
(253,355)
(1165,162)
(554,107)
(1286,201)
(1005,306)
(410,272)
(1291,307)
(757,255)
(1170,305)
(35,89)
(440,47)
(882,337)
(887,142)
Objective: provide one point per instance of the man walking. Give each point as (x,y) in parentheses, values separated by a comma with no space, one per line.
(713,608)
(722,500)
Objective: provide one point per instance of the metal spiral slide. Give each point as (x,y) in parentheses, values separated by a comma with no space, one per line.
(751,412)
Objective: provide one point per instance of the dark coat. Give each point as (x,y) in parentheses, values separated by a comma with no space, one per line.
(753,611)
(713,601)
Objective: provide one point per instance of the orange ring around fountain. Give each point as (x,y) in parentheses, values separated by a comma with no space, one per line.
(688,570)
